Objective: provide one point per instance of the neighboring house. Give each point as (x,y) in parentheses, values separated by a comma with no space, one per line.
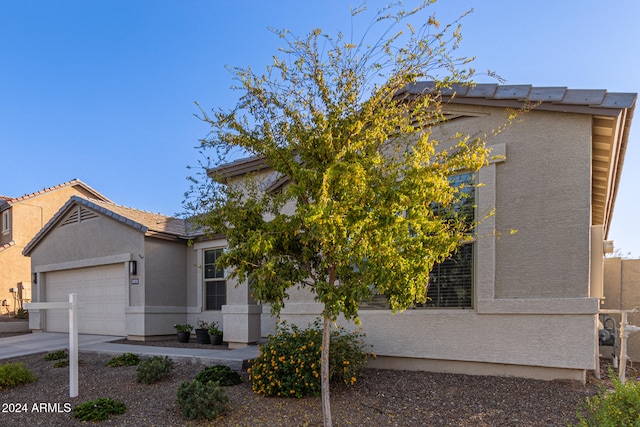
(21,218)
(523,304)
(622,291)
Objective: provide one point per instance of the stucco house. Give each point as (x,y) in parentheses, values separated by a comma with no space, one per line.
(21,218)
(523,304)
(136,274)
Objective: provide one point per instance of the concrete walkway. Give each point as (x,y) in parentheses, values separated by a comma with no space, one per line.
(21,345)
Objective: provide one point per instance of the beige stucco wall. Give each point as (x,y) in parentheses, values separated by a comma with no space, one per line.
(78,241)
(14,268)
(544,193)
(532,306)
(622,292)
(163,301)
(165,273)
(542,190)
(27,218)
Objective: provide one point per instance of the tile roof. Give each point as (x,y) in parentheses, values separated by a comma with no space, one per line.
(6,201)
(549,96)
(238,167)
(143,220)
(151,224)
(7,245)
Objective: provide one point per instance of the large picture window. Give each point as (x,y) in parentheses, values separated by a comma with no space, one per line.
(451,281)
(215,287)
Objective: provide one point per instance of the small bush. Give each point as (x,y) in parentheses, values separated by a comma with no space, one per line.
(61,363)
(98,409)
(221,374)
(126,359)
(153,369)
(22,314)
(14,373)
(57,355)
(289,364)
(201,400)
(620,407)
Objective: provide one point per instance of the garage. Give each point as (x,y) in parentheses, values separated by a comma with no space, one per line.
(101,294)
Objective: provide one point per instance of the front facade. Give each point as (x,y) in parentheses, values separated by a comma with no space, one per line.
(521,303)
(523,299)
(20,219)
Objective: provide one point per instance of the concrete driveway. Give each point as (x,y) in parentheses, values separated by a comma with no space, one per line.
(21,345)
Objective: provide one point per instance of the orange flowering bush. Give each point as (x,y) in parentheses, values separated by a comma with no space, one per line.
(289,364)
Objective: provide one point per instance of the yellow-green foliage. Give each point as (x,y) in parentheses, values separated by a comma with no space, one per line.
(620,407)
(289,364)
(15,373)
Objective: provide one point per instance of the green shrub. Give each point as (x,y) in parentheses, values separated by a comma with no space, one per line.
(620,407)
(289,364)
(22,314)
(98,409)
(153,369)
(221,374)
(201,400)
(14,373)
(57,355)
(126,359)
(61,363)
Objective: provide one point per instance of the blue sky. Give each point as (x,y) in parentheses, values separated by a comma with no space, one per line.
(104,91)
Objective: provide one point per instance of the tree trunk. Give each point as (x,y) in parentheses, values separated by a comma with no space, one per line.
(324,372)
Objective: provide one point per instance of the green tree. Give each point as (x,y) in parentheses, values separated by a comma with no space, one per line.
(364,201)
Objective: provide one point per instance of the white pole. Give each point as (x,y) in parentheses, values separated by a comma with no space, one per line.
(73,345)
(72,306)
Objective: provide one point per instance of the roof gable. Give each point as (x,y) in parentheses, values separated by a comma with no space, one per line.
(78,209)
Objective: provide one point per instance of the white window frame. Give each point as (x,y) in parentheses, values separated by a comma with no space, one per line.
(206,281)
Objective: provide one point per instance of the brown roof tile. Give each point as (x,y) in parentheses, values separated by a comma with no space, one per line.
(153,222)
(13,200)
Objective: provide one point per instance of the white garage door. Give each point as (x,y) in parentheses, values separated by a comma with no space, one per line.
(101,294)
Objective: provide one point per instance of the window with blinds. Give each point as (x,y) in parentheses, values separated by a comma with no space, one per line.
(451,281)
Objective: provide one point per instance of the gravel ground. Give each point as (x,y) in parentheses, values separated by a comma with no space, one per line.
(382,398)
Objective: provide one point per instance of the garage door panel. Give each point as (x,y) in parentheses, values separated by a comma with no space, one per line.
(101,294)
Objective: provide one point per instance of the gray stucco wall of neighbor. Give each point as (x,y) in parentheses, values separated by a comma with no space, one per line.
(622,292)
